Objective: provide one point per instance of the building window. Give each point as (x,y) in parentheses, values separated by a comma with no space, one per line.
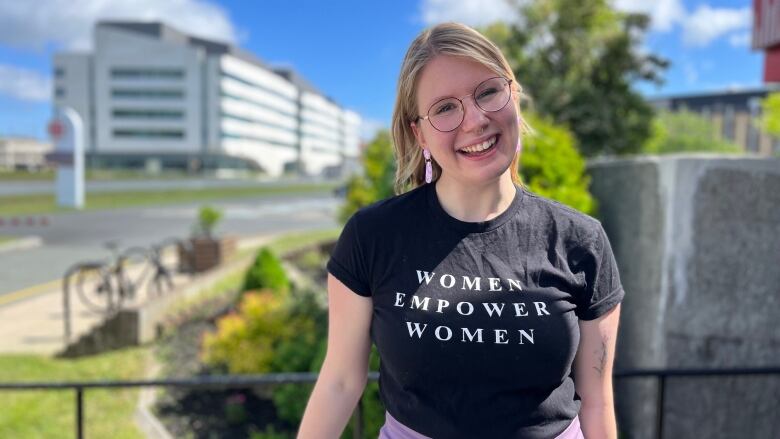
(255,139)
(224,115)
(59,92)
(135,73)
(146,93)
(260,104)
(59,72)
(148,134)
(256,85)
(148,114)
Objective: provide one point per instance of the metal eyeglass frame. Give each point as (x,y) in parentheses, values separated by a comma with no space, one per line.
(463,107)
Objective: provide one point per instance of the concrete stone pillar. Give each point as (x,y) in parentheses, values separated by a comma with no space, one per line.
(697,241)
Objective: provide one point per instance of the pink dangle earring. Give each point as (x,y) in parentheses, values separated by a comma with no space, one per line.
(519,137)
(428,168)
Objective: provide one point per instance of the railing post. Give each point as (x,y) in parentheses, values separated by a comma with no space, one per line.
(79,413)
(66,306)
(357,420)
(659,416)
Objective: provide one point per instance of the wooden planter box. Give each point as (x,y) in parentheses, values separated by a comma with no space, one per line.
(205,253)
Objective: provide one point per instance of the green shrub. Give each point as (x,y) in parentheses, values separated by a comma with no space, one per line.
(266,272)
(208,217)
(311,260)
(274,333)
(246,341)
(685,131)
(269,433)
(551,166)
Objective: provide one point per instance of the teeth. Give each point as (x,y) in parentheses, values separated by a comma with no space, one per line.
(481,146)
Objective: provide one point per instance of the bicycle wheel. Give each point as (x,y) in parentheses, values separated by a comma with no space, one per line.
(133,272)
(93,286)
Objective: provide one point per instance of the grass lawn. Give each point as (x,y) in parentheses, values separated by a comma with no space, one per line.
(93,175)
(45,203)
(4,238)
(51,413)
(108,413)
(294,241)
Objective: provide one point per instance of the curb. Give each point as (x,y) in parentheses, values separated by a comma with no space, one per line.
(144,418)
(48,287)
(23,243)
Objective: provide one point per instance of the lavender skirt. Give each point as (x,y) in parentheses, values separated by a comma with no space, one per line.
(395,430)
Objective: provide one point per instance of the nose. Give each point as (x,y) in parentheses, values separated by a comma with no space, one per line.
(474,118)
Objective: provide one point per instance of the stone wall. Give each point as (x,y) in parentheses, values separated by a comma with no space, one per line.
(697,240)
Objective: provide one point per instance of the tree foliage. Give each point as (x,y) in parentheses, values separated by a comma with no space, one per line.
(551,166)
(576,59)
(685,131)
(771,110)
(377,181)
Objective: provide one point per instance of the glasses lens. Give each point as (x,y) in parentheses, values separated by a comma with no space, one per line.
(493,94)
(446,114)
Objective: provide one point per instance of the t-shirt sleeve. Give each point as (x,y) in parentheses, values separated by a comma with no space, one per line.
(347,262)
(603,289)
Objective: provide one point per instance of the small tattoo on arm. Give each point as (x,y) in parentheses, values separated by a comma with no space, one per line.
(601,353)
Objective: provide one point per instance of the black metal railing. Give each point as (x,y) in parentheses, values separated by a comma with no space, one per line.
(238,381)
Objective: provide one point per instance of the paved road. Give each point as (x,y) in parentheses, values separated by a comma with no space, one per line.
(46,187)
(72,237)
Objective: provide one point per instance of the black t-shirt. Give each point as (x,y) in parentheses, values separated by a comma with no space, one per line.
(476,323)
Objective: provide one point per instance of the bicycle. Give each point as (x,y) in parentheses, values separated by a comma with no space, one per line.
(103,286)
(161,280)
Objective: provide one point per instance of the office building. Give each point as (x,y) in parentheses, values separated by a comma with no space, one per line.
(153,97)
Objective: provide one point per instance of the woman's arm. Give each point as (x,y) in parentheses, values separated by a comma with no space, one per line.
(593,375)
(344,373)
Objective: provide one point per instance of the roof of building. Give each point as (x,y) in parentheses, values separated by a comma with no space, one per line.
(747,91)
(165,32)
(738,99)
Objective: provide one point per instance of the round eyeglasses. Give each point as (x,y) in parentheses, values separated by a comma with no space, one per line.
(490,95)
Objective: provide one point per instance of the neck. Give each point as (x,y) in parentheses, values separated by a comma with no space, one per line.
(475,202)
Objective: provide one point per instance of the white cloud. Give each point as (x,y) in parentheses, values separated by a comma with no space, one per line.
(23,84)
(470,12)
(707,24)
(68,24)
(741,39)
(664,14)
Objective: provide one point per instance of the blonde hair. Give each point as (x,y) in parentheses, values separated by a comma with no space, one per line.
(444,39)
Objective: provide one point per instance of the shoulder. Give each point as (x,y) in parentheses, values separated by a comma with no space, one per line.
(393,210)
(568,223)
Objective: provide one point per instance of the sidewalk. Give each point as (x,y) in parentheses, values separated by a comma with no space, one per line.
(31,320)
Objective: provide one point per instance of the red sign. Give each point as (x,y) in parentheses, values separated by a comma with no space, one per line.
(56,129)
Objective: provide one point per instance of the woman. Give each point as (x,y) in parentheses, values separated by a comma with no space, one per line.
(494,310)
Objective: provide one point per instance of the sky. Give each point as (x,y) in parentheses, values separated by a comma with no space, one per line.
(350,50)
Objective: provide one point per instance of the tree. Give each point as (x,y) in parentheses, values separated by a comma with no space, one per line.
(551,166)
(576,59)
(685,131)
(771,109)
(377,181)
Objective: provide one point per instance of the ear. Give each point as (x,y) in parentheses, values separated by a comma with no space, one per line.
(418,134)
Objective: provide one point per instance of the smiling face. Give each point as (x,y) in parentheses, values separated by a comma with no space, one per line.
(451,76)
